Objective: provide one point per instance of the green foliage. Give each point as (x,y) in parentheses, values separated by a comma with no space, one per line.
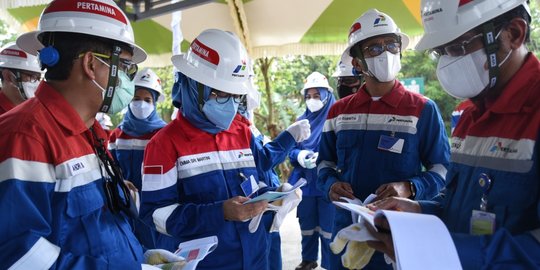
(420,64)
(6,34)
(287,77)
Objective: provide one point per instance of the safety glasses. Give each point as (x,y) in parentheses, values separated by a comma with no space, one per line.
(116,191)
(378,49)
(456,49)
(125,65)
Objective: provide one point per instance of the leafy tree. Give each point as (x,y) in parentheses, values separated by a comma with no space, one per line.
(6,33)
(421,64)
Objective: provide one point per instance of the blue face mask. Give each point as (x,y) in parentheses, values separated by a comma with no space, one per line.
(220,113)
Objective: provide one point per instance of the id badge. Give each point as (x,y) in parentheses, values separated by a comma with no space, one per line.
(482,223)
(249,186)
(391,144)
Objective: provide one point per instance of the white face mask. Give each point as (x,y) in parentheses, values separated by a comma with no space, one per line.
(314,104)
(384,67)
(30,88)
(141,109)
(465,76)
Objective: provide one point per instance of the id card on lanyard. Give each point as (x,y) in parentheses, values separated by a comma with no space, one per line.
(482,221)
(391,144)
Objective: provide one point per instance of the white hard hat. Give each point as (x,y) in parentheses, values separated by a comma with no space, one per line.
(147,78)
(447,20)
(101,18)
(344,66)
(374,23)
(11,56)
(315,80)
(218,59)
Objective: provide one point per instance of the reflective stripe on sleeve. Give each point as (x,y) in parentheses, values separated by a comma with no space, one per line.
(131,144)
(41,256)
(536,234)
(160,217)
(24,170)
(326,164)
(439,169)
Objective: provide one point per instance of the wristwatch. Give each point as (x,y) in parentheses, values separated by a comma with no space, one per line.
(413,190)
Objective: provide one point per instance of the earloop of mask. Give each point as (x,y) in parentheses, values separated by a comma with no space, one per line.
(113,79)
(491,46)
(360,54)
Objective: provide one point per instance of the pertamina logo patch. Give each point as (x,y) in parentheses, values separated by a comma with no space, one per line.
(499,147)
(380,21)
(240,68)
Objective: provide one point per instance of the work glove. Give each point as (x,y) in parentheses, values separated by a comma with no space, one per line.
(307,159)
(163,259)
(256,220)
(300,130)
(358,253)
(285,206)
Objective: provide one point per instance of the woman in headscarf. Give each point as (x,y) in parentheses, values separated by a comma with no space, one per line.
(128,141)
(315,213)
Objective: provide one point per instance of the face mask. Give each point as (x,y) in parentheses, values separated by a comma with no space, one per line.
(384,67)
(469,70)
(141,109)
(219,114)
(314,104)
(30,88)
(123,93)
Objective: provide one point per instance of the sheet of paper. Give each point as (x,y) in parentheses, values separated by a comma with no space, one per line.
(421,241)
(363,211)
(196,250)
(271,196)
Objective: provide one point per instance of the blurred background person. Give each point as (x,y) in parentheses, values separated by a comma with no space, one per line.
(20,74)
(315,213)
(348,79)
(128,141)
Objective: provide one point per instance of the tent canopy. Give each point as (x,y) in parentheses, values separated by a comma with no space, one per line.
(267,27)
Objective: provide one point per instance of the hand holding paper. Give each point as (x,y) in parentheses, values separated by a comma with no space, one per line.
(433,245)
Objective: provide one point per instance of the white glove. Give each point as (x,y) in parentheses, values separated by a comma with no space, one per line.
(300,130)
(256,220)
(286,205)
(307,159)
(358,253)
(158,257)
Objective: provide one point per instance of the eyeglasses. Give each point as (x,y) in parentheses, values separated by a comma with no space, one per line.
(30,77)
(378,49)
(222,97)
(456,49)
(116,191)
(348,80)
(125,65)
